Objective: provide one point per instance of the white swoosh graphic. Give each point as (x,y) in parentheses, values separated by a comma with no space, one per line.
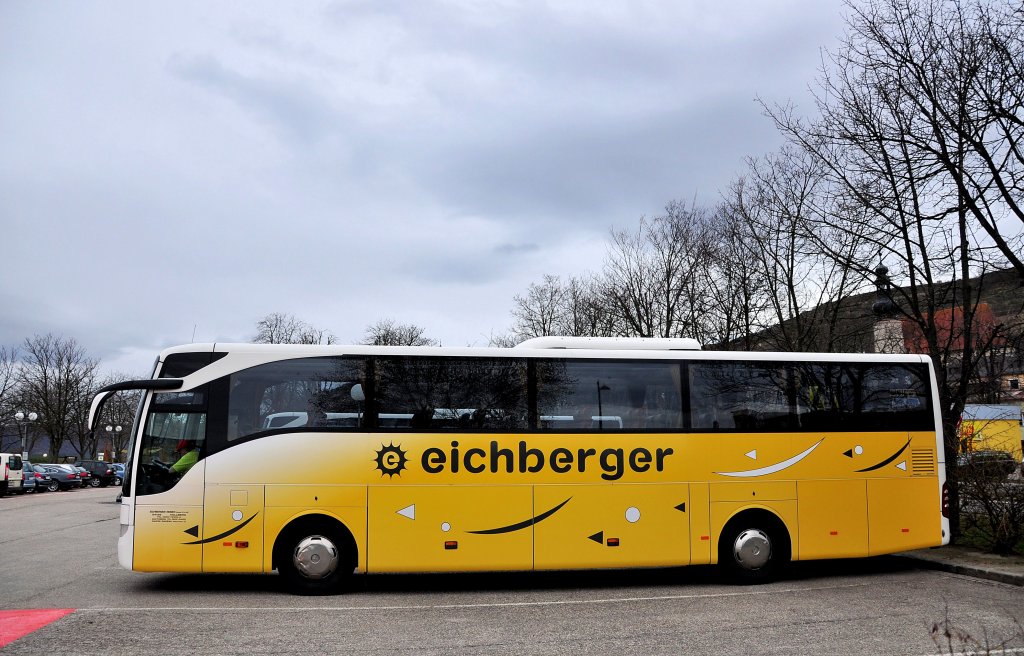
(771,469)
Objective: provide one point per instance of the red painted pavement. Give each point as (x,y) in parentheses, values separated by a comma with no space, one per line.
(16,624)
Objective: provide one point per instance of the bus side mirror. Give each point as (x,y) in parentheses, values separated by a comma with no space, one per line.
(94,409)
(104,393)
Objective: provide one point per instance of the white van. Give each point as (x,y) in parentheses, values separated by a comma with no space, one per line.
(10,467)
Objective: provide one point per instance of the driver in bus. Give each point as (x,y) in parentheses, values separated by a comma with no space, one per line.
(190,456)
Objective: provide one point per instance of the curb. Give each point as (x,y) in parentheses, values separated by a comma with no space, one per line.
(923,562)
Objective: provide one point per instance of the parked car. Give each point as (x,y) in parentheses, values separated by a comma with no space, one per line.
(101,473)
(43,480)
(83,474)
(987,463)
(119,468)
(10,474)
(28,481)
(66,476)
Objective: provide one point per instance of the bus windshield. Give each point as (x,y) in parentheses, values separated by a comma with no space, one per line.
(173,440)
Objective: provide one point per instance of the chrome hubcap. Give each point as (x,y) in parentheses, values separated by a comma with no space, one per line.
(752,549)
(315,557)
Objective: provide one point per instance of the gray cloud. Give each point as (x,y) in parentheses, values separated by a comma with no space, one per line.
(286,104)
(170,171)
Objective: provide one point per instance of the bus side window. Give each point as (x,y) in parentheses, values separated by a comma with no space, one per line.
(451,394)
(299,394)
(608,395)
(744,396)
(824,395)
(894,397)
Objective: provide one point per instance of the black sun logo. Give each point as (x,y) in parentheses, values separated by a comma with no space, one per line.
(390,459)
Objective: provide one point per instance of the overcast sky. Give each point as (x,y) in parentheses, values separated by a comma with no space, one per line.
(190,167)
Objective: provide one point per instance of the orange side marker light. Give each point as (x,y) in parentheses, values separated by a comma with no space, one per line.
(451,544)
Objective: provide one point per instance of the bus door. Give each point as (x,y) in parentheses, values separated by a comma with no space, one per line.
(612,525)
(168,486)
(168,524)
(450,528)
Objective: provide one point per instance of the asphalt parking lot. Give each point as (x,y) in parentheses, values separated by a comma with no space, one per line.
(59,553)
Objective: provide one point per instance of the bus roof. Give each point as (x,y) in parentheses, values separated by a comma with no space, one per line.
(629,350)
(613,343)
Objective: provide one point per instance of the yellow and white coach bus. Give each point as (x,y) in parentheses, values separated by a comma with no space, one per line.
(561,453)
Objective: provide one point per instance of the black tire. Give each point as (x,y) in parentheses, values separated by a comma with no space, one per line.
(754,548)
(52,486)
(319,540)
(94,482)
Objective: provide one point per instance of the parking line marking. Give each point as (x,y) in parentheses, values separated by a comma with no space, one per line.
(16,624)
(507,604)
(995,651)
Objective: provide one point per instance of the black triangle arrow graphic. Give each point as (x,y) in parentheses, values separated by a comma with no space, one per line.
(597,537)
(681,507)
(848,453)
(194,531)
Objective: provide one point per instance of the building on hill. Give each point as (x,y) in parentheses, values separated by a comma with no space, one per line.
(875,322)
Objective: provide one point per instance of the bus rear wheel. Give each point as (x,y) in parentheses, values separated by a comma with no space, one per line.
(754,548)
(314,558)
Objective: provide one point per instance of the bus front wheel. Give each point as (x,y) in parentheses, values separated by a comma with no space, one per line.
(754,547)
(315,557)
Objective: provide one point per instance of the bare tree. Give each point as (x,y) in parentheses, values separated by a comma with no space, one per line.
(540,310)
(577,307)
(738,292)
(388,332)
(652,276)
(8,379)
(586,312)
(778,215)
(993,505)
(673,276)
(958,71)
(280,328)
(57,378)
(8,389)
(904,142)
(27,428)
(502,340)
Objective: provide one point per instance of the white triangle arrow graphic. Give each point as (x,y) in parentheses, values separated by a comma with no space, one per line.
(408,511)
(902,465)
(752,454)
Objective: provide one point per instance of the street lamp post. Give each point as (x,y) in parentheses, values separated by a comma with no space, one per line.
(22,419)
(112,431)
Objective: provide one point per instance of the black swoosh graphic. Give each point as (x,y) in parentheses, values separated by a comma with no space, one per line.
(225,533)
(522,525)
(887,460)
